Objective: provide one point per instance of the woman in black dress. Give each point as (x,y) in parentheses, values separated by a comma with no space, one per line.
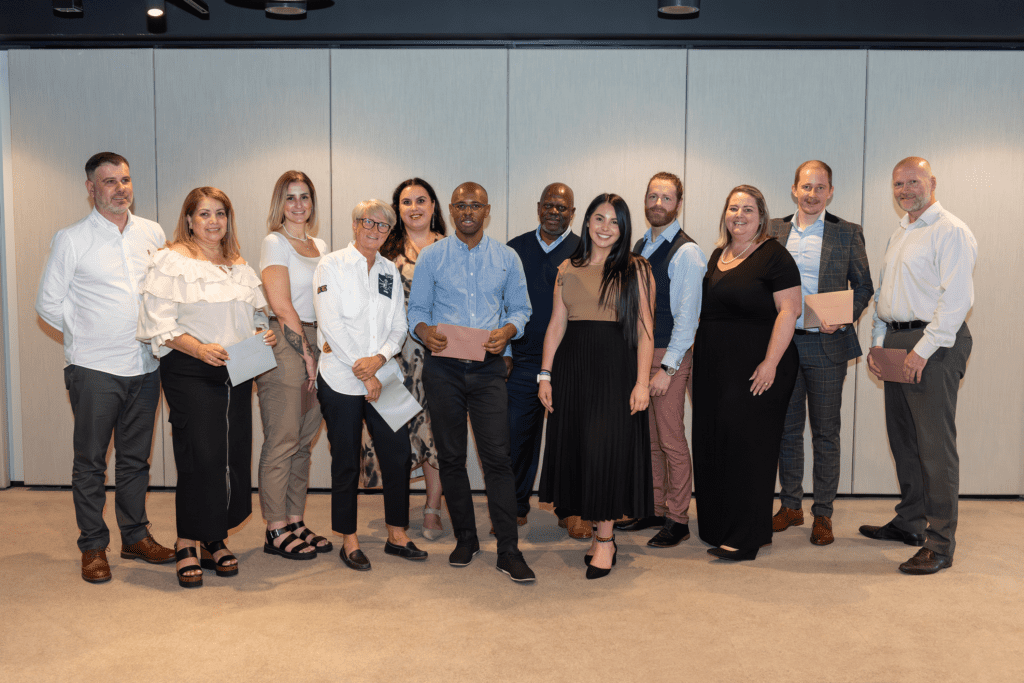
(597,354)
(744,368)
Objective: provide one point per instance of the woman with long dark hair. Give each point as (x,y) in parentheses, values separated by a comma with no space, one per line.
(593,381)
(419,225)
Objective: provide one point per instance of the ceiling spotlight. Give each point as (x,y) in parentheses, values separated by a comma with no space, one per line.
(678,6)
(155,8)
(68,6)
(286,7)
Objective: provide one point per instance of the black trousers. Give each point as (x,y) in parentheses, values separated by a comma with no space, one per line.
(454,390)
(344,415)
(103,403)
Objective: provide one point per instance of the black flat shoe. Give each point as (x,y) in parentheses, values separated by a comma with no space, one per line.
(294,554)
(354,560)
(220,566)
(734,555)
(409,551)
(639,524)
(892,533)
(671,535)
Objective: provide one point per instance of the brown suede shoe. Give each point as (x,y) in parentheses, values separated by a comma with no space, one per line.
(821,532)
(94,565)
(149,550)
(578,528)
(787,517)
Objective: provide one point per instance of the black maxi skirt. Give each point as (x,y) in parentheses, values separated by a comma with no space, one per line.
(597,457)
(211,427)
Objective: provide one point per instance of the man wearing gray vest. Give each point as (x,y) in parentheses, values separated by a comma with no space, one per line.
(678,265)
(831,257)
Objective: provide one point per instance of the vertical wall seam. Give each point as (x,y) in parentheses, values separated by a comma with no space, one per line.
(863,196)
(330,139)
(508,140)
(156,217)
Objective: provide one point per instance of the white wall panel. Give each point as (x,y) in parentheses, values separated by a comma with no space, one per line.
(437,114)
(66,105)
(753,117)
(238,119)
(962,112)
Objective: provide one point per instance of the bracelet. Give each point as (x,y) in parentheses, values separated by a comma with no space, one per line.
(545,372)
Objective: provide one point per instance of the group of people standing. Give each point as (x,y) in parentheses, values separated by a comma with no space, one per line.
(603,337)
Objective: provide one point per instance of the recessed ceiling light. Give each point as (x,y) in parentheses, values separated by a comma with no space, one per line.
(286,7)
(678,6)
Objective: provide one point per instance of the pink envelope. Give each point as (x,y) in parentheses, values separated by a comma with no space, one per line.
(836,308)
(464,343)
(890,362)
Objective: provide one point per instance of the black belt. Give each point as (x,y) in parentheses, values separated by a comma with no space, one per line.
(912,325)
(304,323)
(799,331)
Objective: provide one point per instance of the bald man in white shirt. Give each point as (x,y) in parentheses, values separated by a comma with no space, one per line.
(90,292)
(924,294)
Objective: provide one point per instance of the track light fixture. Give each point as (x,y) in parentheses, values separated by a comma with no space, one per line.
(155,8)
(66,7)
(677,7)
(286,7)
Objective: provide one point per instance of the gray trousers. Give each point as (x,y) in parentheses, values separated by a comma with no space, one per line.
(921,422)
(125,406)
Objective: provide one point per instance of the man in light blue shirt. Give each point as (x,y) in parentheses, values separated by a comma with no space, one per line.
(831,257)
(678,266)
(470,280)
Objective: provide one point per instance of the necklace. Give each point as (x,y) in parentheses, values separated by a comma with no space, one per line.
(737,255)
(304,238)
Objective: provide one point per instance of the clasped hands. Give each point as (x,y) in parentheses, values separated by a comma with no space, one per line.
(215,355)
(365,370)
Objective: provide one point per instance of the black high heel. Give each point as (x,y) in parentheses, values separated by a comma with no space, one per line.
(220,566)
(734,555)
(588,557)
(597,572)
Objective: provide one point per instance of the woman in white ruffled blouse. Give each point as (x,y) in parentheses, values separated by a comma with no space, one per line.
(199,298)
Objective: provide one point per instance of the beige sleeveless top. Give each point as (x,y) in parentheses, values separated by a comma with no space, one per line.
(581,292)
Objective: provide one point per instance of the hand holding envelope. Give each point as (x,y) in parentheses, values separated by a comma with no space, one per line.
(888,365)
(464,343)
(831,308)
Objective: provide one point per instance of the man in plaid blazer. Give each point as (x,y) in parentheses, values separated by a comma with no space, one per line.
(831,256)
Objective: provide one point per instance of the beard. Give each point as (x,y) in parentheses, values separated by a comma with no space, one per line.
(659,217)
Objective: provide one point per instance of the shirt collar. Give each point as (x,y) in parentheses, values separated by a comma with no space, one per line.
(819,220)
(551,247)
(668,234)
(930,215)
(108,224)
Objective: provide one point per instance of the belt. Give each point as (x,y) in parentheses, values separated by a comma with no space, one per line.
(304,323)
(799,331)
(912,325)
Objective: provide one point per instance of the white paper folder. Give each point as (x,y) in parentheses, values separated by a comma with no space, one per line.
(249,358)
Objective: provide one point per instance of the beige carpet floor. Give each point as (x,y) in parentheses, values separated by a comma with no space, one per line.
(798,613)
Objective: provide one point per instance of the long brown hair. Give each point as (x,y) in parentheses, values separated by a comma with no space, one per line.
(183,233)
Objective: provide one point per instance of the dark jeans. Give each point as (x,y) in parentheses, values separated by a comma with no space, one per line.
(103,403)
(526,426)
(344,415)
(454,390)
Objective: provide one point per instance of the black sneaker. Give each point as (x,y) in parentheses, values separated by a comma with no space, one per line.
(513,564)
(671,535)
(464,553)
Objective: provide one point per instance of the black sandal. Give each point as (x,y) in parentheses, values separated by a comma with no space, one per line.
(190,580)
(295,554)
(220,566)
(310,538)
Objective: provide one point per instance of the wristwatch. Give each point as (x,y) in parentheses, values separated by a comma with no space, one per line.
(668,371)
(544,374)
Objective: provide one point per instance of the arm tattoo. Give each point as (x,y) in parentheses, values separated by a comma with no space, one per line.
(295,340)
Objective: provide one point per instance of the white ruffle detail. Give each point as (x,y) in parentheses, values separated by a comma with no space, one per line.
(175,277)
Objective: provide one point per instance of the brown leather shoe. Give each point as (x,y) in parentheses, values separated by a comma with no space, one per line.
(787,517)
(521,521)
(578,528)
(149,550)
(821,532)
(95,568)
(925,562)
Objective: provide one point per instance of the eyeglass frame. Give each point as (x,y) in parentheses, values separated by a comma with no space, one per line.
(369,223)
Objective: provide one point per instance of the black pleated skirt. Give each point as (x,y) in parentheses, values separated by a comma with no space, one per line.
(211,427)
(597,458)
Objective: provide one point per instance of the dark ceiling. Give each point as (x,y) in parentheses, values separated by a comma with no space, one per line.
(985,24)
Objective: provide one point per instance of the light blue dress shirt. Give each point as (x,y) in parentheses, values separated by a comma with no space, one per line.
(686,274)
(805,247)
(548,248)
(483,287)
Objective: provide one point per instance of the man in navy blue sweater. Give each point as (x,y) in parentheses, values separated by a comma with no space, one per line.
(541,251)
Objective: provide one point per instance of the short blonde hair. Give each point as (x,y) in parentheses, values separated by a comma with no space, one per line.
(183,233)
(275,218)
(365,208)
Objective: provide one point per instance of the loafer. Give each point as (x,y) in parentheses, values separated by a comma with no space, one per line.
(149,550)
(355,560)
(821,532)
(464,553)
(639,524)
(514,565)
(891,533)
(925,562)
(409,551)
(671,535)
(95,568)
(579,528)
(787,517)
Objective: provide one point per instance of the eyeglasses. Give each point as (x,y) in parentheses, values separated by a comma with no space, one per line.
(369,224)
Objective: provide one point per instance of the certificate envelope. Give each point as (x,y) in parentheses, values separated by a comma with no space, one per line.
(835,308)
(249,358)
(464,343)
(395,404)
(890,362)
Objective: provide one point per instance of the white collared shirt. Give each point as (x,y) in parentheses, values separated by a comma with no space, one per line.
(90,291)
(804,245)
(927,274)
(359,315)
(548,248)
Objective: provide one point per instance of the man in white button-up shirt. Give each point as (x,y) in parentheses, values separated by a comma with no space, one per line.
(90,292)
(924,293)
